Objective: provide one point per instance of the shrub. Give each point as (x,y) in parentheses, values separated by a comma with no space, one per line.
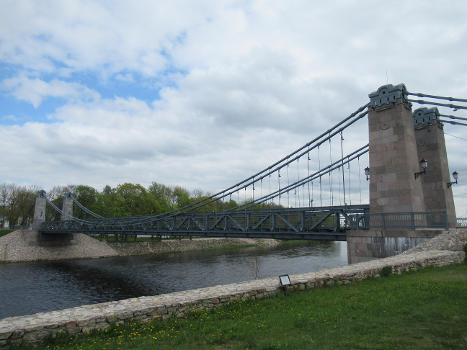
(386,271)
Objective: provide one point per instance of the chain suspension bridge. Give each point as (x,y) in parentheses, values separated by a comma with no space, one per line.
(318,191)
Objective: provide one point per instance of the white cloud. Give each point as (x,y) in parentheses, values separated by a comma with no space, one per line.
(259,79)
(36,90)
(106,37)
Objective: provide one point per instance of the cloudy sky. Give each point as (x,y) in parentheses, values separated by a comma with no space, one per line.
(203,93)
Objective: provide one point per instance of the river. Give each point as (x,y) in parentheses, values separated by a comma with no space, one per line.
(27,288)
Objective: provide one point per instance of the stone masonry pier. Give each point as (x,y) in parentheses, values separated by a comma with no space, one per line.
(35,328)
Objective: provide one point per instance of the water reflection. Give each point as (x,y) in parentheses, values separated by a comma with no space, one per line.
(34,287)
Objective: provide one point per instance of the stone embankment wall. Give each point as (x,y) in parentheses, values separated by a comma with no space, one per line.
(455,239)
(37,327)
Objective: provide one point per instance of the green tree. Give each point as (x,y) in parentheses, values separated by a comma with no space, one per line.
(134,200)
(89,198)
(181,197)
(163,195)
(107,201)
(17,204)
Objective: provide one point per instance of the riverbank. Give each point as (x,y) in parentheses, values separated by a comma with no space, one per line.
(422,310)
(183,245)
(24,245)
(84,319)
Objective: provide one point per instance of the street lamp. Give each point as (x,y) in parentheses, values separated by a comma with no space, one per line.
(423,165)
(454,175)
(367,173)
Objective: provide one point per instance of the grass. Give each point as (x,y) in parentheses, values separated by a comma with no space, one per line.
(132,239)
(4,232)
(419,310)
(286,242)
(228,247)
(111,239)
(304,242)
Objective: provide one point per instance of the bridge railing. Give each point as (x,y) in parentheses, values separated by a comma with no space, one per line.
(399,220)
(461,222)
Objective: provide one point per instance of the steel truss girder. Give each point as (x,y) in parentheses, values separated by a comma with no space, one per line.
(285,223)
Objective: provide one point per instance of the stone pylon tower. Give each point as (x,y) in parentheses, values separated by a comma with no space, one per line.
(67,207)
(39,210)
(429,136)
(393,153)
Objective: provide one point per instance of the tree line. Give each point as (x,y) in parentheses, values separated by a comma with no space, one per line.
(17,202)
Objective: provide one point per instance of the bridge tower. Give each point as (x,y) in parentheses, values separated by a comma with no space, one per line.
(67,207)
(39,210)
(429,136)
(393,153)
(400,143)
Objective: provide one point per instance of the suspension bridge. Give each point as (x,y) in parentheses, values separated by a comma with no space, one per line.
(398,179)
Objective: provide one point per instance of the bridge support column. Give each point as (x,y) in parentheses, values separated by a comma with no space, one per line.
(394,160)
(39,210)
(393,153)
(429,135)
(67,207)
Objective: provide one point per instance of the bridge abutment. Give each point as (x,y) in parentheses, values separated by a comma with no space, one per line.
(365,245)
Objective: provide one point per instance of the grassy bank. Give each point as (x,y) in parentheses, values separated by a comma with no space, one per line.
(127,239)
(133,239)
(420,310)
(4,232)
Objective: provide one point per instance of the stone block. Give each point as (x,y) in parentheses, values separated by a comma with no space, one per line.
(112,318)
(5,335)
(126,315)
(17,334)
(71,324)
(87,323)
(36,336)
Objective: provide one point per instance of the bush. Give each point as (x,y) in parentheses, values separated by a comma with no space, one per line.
(386,271)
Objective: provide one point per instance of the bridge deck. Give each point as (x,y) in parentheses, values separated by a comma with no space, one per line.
(323,223)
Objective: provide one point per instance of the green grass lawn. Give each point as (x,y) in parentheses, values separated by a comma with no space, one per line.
(4,232)
(418,310)
(132,239)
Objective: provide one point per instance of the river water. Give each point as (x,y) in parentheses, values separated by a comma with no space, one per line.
(27,288)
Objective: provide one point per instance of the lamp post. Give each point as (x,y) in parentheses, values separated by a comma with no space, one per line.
(423,165)
(367,173)
(454,175)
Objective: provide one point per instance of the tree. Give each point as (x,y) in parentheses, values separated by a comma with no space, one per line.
(3,204)
(134,200)
(17,204)
(89,198)
(163,195)
(182,197)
